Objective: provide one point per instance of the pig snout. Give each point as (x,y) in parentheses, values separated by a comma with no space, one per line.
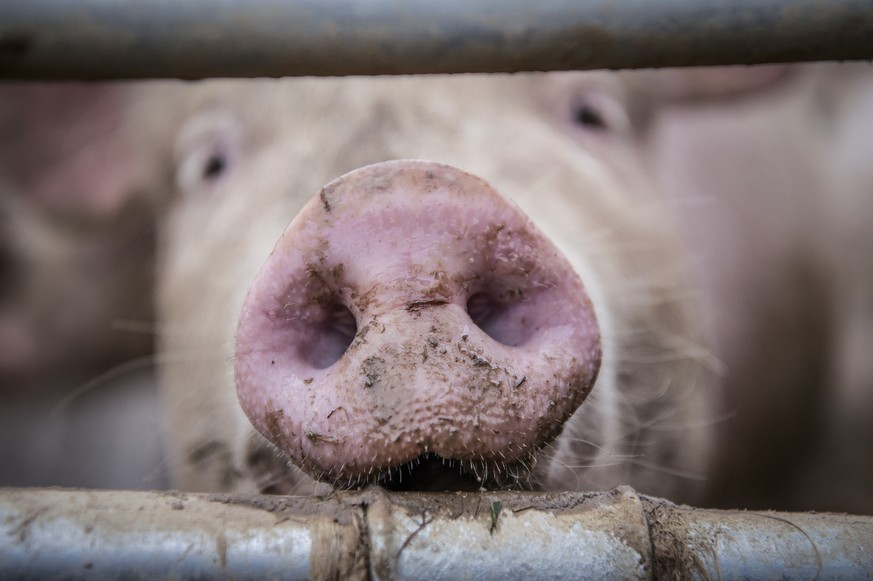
(413,327)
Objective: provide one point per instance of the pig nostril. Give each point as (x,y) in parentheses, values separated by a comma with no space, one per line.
(325,341)
(480,307)
(500,320)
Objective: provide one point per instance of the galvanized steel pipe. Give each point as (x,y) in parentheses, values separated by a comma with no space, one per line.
(374,534)
(105,39)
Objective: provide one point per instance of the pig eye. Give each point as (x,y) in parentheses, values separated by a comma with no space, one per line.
(589,117)
(206,152)
(215,166)
(600,114)
(205,164)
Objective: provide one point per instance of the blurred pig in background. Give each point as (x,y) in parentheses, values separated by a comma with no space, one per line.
(77,239)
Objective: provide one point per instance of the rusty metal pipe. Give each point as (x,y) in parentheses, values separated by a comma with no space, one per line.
(375,534)
(111,39)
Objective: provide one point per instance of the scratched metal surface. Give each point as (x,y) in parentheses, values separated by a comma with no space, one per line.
(96,39)
(375,534)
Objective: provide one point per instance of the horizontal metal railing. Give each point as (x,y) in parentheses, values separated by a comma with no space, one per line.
(103,39)
(55,533)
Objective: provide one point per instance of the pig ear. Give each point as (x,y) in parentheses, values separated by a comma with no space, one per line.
(705,83)
(67,147)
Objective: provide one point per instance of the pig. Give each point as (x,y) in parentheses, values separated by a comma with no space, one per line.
(839,464)
(77,239)
(679,223)
(75,234)
(583,132)
(682,224)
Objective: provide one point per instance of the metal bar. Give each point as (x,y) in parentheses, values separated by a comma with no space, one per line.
(374,534)
(105,39)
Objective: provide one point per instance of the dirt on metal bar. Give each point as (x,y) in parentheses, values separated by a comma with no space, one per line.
(376,534)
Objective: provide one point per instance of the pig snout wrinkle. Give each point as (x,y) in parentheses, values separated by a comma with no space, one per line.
(413,320)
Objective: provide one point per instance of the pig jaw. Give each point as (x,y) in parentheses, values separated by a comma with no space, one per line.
(412,318)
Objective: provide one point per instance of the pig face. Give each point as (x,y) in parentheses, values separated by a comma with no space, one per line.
(564,163)
(76,233)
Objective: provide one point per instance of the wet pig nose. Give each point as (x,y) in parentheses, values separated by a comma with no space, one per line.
(410,310)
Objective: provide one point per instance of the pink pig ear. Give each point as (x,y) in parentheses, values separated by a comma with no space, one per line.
(701,83)
(66,146)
